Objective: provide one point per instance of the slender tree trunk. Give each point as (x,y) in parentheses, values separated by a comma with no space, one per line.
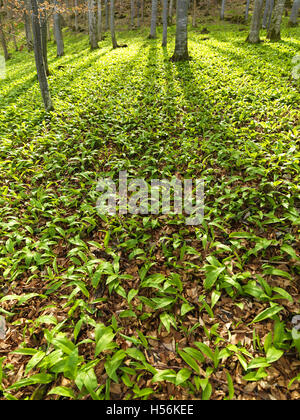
(112,25)
(3,41)
(267,13)
(223,9)
(181,44)
(294,13)
(39,61)
(44,36)
(165,23)
(92,23)
(132,13)
(58,31)
(13,33)
(171,4)
(247,10)
(76,26)
(153,19)
(27,24)
(275,27)
(99,19)
(253,37)
(138,13)
(106,15)
(142,11)
(194,13)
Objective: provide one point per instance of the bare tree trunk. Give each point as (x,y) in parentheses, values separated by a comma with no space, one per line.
(27,25)
(194,13)
(171,4)
(58,31)
(181,44)
(247,10)
(153,19)
(275,27)
(106,15)
(142,11)
(76,15)
(112,25)
(223,9)
(165,23)
(138,13)
(92,23)
(253,37)
(3,41)
(132,13)
(99,19)
(39,61)
(267,13)
(294,13)
(43,31)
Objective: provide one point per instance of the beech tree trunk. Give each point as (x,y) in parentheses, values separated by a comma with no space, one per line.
(268,13)
(223,9)
(194,13)
(112,25)
(165,23)
(171,4)
(76,26)
(181,44)
(253,37)
(247,10)
(293,21)
(3,41)
(153,19)
(132,13)
(58,31)
(39,59)
(274,32)
(44,35)
(99,19)
(106,15)
(92,23)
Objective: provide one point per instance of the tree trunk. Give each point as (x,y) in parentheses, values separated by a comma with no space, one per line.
(3,41)
(138,13)
(99,19)
(274,30)
(92,23)
(112,25)
(253,37)
(294,13)
(43,31)
(194,13)
(153,19)
(132,13)
(181,44)
(58,31)
(165,23)
(223,9)
(247,10)
(106,15)
(268,13)
(27,25)
(171,4)
(39,61)
(76,15)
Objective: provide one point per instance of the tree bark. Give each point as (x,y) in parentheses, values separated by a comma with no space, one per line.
(138,13)
(294,13)
(275,27)
(165,23)
(99,19)
(132,13)
(3,41)
(39,60)
(223,9)
(194,13)
(171,4)
(92,23)
(247,10)
(58,31)
(153,20)
(268,13)
(112,25)
(76,26)
(44,35)
(181,44)
(27,25)
(106,15)
(253,37)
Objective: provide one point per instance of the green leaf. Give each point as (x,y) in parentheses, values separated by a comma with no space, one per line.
(63,392)
(267,313)
(190,361)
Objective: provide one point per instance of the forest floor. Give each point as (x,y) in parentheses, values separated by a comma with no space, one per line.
(146,307)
